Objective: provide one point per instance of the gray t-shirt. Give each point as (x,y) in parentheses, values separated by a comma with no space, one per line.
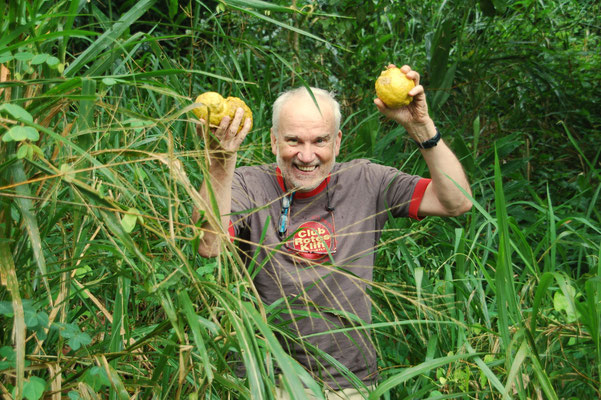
(316,278)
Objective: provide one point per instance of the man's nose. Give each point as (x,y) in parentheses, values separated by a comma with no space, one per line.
(306,154)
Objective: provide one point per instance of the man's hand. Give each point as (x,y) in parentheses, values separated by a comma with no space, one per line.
(224,139)
(414,117)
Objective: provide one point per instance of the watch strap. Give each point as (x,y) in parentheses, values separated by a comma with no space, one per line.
(430,142)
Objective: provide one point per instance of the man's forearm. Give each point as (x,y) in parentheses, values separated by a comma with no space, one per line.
(446,173)
(218,185)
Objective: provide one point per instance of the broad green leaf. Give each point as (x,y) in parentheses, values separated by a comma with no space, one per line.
(562,303)
(96,377)
(128,222)
(39,59)
(75,337)
(22,152)
(52,61)
(17,112)
(6,309)
(4,58)
(19,133)
(24,56)
(34,388)
(73,395)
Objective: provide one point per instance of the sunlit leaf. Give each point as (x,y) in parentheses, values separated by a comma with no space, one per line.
(39,59)
(17,112)
(34,388)
(128,222)
(24,56)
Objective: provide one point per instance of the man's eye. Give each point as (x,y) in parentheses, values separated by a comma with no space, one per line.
(292,141)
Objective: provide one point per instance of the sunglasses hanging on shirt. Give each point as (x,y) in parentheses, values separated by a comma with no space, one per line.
(283,222)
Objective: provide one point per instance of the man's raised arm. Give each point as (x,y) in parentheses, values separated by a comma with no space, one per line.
(222,146)
(442,196)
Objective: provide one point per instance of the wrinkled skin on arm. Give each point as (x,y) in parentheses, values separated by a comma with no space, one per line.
(222,145)
(442,197)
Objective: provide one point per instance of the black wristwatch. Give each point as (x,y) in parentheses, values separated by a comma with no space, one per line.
(430,142)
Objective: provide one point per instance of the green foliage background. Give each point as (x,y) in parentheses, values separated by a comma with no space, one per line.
(102,292)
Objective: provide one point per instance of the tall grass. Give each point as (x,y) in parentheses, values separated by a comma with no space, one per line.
(103,294)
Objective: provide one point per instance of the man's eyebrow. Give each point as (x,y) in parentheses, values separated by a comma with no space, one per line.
(326,136)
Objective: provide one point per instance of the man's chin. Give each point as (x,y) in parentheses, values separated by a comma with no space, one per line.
(302,186)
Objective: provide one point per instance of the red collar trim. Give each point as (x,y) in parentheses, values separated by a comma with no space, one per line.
(301,195)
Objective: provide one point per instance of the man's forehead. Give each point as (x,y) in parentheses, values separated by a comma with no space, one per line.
(303,100)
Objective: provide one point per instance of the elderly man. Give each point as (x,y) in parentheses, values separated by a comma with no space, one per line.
(316,222)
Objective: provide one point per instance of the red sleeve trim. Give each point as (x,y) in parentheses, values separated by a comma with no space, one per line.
(232,232)
(416,199)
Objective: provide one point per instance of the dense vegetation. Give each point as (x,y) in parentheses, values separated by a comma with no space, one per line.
(102,292)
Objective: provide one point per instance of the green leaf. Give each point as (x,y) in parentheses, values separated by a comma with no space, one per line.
(96,377)
(75,337)
(73,395)
(562,303)
(109,81)
(79,339)
(128,222)
(17,112)
(68,172)
(19,133)
(6,309)
(34,388)
(4,58)
(109,37)
(52,61)
(31,317)
(22,152)
(24,56)
(39,59)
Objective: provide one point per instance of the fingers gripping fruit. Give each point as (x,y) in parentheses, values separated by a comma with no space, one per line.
(392,87)
(233,103)
(214,107)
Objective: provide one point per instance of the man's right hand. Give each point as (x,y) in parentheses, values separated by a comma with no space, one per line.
(224,138)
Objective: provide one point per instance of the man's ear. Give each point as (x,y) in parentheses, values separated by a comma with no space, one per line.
(274,142)
(337,143)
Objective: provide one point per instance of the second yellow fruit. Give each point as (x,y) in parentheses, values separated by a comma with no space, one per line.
(392,87)
(213,107)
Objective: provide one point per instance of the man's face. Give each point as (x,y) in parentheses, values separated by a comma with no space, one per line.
(306,144)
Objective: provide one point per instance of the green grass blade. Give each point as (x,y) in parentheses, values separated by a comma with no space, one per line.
(108,38)
(293,374)
(26,207)
(8,278)
(195,327)
(408,373)
(506,301)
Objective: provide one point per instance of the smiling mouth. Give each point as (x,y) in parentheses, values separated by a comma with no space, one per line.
(310,168)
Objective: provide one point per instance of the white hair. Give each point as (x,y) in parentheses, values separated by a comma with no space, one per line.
(303,91)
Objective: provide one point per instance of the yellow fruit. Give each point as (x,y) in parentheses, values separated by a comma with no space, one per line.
(392,87)
(213,107)
(232,105)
